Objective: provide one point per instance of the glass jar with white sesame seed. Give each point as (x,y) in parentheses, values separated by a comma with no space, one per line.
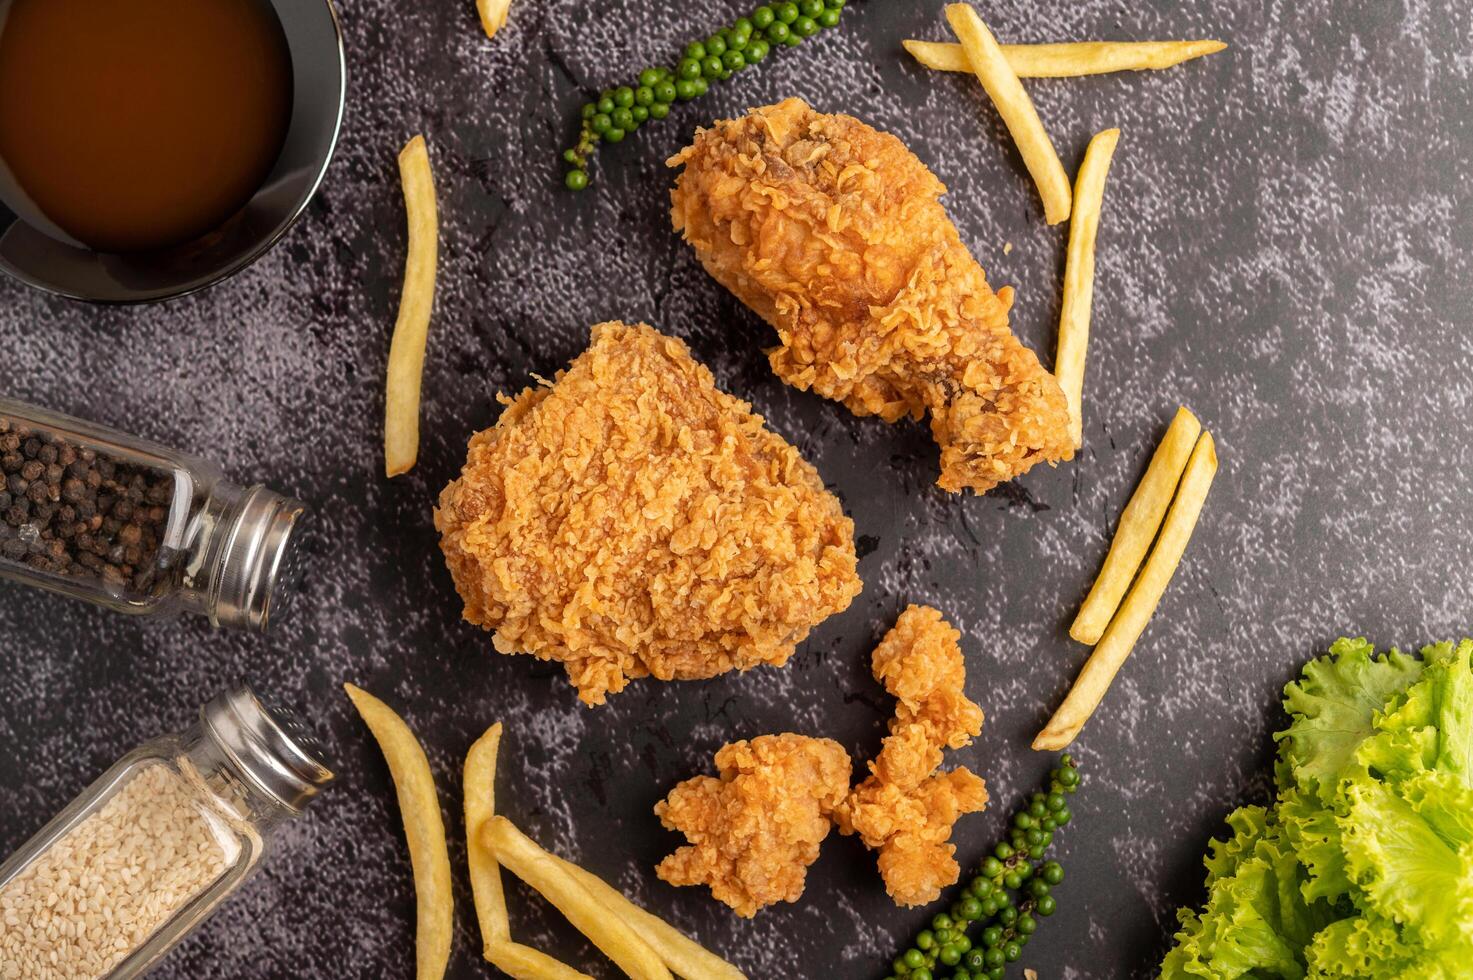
(155,844)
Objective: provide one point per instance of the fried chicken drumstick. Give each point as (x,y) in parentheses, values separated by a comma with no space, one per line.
(633,519)
(833,233)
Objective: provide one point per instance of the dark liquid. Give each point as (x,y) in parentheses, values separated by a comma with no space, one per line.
(139,124)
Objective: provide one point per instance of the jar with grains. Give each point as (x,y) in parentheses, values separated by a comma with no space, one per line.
(94,513)
(155,844)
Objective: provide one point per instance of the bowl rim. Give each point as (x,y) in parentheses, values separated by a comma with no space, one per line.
(245,259)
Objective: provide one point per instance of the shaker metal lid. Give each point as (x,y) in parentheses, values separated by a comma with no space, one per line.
(268,744)
(261,562)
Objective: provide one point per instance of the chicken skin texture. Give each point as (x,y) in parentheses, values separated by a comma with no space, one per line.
(632,519)
(834,234)
(755,828)
(920,663)
(905,809)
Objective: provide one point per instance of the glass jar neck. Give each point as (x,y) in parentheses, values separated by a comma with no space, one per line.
(217,777)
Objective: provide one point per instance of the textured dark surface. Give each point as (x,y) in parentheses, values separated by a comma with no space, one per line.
(1285,249)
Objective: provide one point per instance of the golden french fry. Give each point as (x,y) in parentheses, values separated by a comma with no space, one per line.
(1016,109)
(525,963)
(684,956)
(518,961)
(523,858)
(1094,680)
(1079,275)
(493,14)
(419,806)
(411,330)
(1070,59)
(480,806)
(1139,523)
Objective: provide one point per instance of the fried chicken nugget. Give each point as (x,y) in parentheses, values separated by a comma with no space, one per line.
(833,233)
(632,519)
(905,809)
(910,826)
(756,828)
(920,663)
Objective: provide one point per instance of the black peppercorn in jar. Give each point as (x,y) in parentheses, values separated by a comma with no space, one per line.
(99,515)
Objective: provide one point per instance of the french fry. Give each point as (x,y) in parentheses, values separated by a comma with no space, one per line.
(1071,59)
(518,961)
(539,869)
(419,806)
(480,805)
(1135,612)
(1139,523)
(1079,275)
(1016,109)
(681,954)
(493,14)
(525,963)
(684,956)
(411,330)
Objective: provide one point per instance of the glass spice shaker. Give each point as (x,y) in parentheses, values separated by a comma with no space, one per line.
(96,514)
(152,847)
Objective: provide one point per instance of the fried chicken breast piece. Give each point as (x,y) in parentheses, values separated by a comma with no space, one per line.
(756,827)
(833,233)
(905,809)
(632,519)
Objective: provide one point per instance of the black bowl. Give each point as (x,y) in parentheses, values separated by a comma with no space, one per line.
(319,79)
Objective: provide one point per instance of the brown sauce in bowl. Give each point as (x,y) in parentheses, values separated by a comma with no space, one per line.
(130,125)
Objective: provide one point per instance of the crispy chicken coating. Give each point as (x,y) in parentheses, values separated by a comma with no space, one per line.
(905,809)
(911,828)
(632,519)
(756,828)
(920,663)
(833,233)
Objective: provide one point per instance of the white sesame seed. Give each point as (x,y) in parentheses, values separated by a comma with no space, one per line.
(83,905)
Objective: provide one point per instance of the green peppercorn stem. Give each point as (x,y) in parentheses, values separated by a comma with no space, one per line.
(621,110)
(1007,921)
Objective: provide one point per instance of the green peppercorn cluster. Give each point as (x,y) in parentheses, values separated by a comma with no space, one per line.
(1008,921)
(620,111)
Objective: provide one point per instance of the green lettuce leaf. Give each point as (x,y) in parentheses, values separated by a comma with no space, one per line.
(1298,919)
(1356,948)
(1185,960)
(1368,946)
(1334,706)
(1363,868)
(1405,868)
(1428,726)
(1314,832)
(1449,963)
(1455,711)
(1394,754)
(1445,803)
(1249,824)
(1256,923)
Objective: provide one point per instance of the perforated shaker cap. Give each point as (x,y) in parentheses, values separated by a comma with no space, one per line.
(261,562)
(269,745)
